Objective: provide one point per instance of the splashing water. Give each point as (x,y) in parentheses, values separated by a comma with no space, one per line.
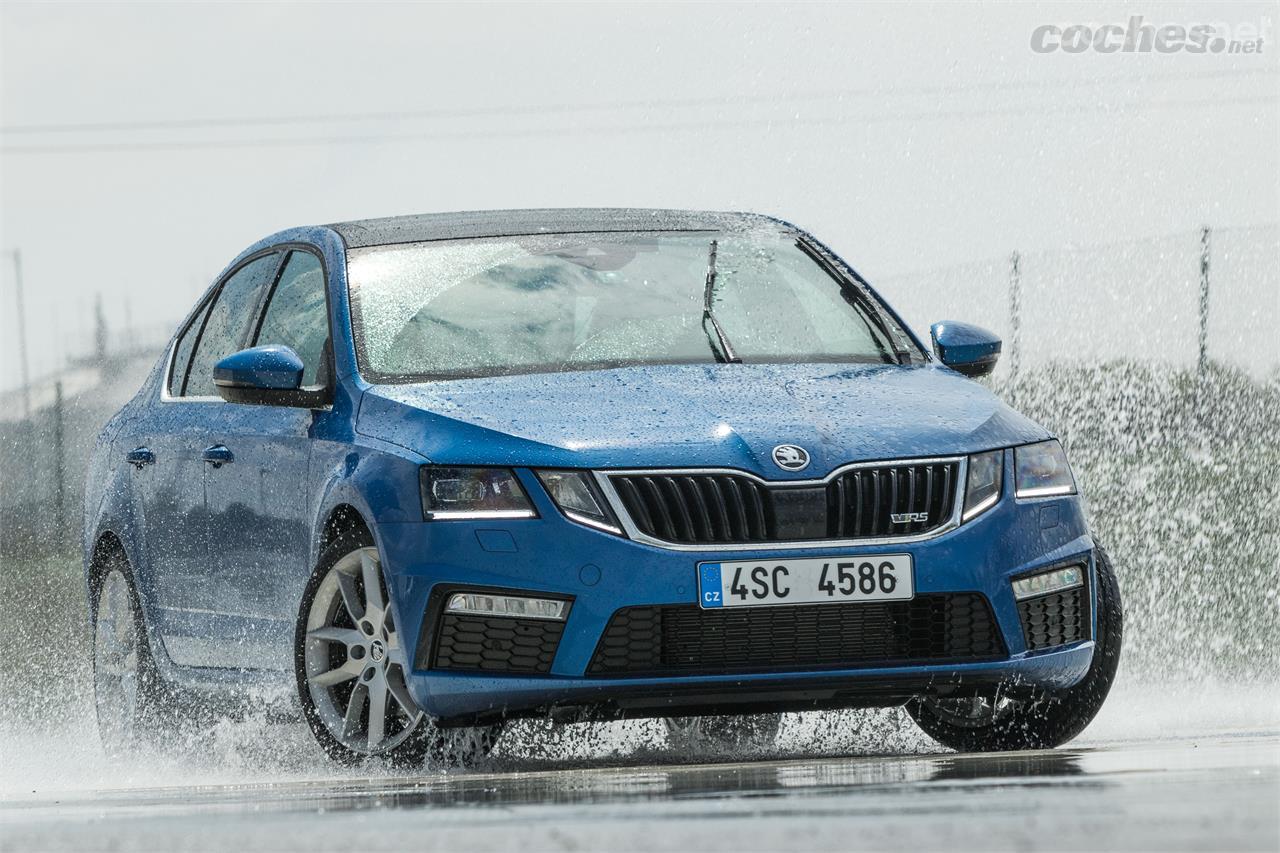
(1179,472)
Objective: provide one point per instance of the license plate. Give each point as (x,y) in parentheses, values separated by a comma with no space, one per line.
(828,580)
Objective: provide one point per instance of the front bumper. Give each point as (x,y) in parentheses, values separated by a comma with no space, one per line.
(604,573)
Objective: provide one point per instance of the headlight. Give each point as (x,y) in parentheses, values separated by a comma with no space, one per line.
(1042,470)
(576,494)
(983,485)
(473,493)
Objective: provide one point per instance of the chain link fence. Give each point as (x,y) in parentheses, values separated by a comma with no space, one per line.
(1144,300)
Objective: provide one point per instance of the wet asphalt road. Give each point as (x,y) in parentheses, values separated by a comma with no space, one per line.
(1217,792)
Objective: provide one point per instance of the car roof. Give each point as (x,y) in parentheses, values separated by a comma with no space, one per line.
(511,223)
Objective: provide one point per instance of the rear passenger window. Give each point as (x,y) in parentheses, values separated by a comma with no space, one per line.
(182,352)
(227,324)
(297,315)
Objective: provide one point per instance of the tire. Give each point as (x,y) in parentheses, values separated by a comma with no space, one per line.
(738,733)
(130,697)
(351,666)
(1050,717)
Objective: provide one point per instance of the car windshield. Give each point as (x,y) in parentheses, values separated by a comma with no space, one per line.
(558,302)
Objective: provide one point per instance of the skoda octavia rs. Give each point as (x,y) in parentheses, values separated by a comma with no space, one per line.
(445,471)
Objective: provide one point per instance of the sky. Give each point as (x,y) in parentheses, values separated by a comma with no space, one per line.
(144,145)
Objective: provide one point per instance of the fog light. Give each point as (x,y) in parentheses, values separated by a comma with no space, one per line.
(1048,582)
(480,604)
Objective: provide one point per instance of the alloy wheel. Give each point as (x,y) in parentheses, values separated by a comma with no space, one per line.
(354,662)
(116,664)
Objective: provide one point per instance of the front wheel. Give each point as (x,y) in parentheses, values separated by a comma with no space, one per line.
(992,722)
(351,668)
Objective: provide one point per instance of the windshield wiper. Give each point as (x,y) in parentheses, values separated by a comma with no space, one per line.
(708,294)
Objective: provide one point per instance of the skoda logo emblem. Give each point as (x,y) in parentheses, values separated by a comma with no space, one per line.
(788,457)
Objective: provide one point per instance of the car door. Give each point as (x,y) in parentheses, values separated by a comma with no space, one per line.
(259,509)
(169,514)
(182,434)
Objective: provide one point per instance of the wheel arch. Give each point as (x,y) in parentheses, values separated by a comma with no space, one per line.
(109,545)
(116,538)
(363,487)
(106,545)
(342,518)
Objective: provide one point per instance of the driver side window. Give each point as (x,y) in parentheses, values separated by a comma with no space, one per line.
(297,315)
(227,323)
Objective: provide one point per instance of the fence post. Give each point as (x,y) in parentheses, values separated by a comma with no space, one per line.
(22,333)
(1015,321)
(1203,360)
(59,469)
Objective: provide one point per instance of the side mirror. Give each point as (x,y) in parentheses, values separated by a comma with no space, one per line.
(965,348)
(266,376)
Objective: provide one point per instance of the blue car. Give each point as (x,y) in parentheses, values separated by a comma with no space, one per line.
(435,473)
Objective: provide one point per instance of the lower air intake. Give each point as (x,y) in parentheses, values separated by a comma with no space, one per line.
(688,639)
(1055,619)
(496,644)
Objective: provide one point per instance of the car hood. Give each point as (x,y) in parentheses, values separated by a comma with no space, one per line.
(729,415)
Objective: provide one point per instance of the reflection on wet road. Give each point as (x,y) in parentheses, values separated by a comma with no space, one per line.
(1220,793)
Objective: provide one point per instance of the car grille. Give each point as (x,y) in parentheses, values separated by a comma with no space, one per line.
(496,644)
(867,499)
(688,639)
(1055,619)
(726,508)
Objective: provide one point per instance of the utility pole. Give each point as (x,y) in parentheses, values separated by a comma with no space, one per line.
(59,466)
(22,334)
(1015,321)
(1203,361)
(128,342)
(99,329)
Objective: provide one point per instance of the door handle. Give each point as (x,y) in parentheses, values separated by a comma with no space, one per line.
(218,455)
(140,457)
